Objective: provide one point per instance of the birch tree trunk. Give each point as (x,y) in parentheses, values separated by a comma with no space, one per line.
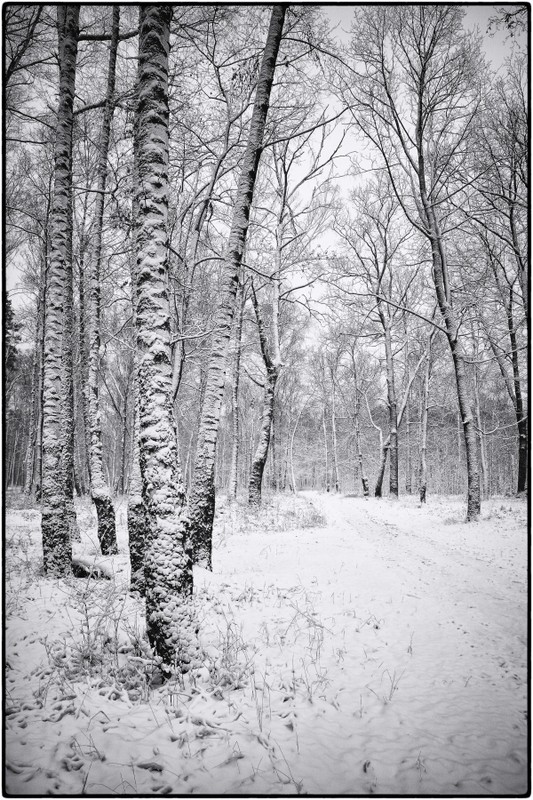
(357,426)
(138,520)
(31,478)
(68,383)
(272,362)
(359,453)
(100,494)
(334,435)
(422,470)
(202,498)
(234,474)
(378,491)
(521,417)
(168,574)
(408,464)
(393,416)
(57,548)
(291,450)
(326,454)
(444,298)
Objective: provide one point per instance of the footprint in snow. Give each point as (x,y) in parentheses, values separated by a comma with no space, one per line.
(370,781)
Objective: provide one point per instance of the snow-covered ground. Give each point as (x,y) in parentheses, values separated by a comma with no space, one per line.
(352,646)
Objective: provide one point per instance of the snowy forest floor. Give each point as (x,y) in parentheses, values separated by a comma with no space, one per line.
(351,646)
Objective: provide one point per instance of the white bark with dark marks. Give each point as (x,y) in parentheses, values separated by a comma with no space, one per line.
(100,494)
(168,574)
(57,549)
(202,499)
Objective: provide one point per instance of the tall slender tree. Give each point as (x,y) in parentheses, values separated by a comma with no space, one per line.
(100,494)
(57,547)
(168,566)
(202,497)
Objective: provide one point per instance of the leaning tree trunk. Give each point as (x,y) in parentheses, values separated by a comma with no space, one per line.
(201,503)
(378,491)
(105,512)
(170,621)
(57,548)
(261,452)
(272,361)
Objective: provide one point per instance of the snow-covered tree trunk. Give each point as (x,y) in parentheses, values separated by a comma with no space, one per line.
(326,451)
(408,464)
(202,498)
(359,452)
(68,388)
(57,548)
(272,362)
(334,434)
(441,281)
(234,473)
(31,478)
(378,491)
(260,456)
(137,517)
(168,574)
(391,400)
(463,391)
(422,471)
(520,412)
(100,494)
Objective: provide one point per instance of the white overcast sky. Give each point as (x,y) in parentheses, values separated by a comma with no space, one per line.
(497,46)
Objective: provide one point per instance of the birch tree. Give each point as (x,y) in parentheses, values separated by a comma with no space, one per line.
(202,502)
(168,568)
(105,511)
(57,549)
(271,354)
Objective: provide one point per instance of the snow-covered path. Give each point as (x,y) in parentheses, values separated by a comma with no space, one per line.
(384,651)
(453,598)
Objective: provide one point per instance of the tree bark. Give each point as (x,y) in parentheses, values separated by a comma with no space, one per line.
(334,435)
(326,452)
(33,440)
(138,520)
(422,470)
(272,362)
(234,473)
(521,419)
(444,299)
(201,504)
(359,453)
(57,548)
(170,619)
(378,491)
(100,494)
